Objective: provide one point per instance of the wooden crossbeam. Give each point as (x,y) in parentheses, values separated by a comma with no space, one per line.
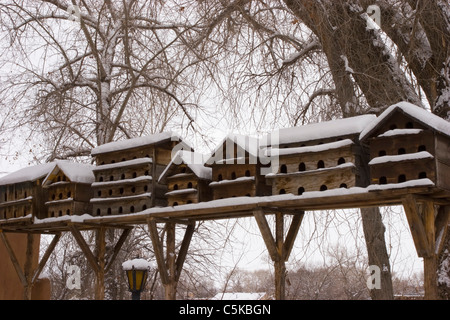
(92,260)
(266,234)
(117,247)
(184,249)
(292,235)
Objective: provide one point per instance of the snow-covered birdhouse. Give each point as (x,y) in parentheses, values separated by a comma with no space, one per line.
(237,168)
(319,156)
(187,179)
(409,144)
(69,190)
(127,171)
(21,192)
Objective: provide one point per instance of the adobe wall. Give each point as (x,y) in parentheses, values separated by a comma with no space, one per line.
(10,286)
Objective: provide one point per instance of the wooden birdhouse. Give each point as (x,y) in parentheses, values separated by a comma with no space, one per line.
(237,169)
(408,144)
(21,192)
(187,179)
(126,175)
(319,156)
(69,189)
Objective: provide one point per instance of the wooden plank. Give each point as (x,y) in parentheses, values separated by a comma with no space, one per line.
(84,247)
(266,234)
(429,224)
(158,249)
(184,249)
(416,226)
(170,287)
(292,234)
(100,274)
(279,264)
(441,226)
(28,265)
(45,257)
(430,277)
(117,248)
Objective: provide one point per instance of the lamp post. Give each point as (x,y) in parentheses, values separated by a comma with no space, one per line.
(137,272)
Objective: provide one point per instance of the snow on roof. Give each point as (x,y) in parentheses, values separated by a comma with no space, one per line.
(27,174)
(135,142)
(245,142)
(307,149)
(138,264)
(194,160)
(320,130)
(402,157)
(76,172)
(419,114)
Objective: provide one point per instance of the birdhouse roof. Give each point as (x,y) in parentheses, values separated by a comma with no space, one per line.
(76,172)
(414,112)
(193,160)
(154,139)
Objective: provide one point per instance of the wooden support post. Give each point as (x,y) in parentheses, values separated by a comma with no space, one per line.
(100,274)
(280,266)
(171,286)
(170,266)
(423,225)
(278,247)
(28,266)
(98,262)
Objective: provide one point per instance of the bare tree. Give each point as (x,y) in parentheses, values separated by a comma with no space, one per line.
(356,68)
(83,73)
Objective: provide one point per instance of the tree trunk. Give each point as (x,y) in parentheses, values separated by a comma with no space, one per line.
(376,247)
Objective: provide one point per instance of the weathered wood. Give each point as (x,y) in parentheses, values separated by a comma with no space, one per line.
(416,226)
(45,257)
(100,273)
(28,266)
(158,250)
(292,234)
(314,180)
(184,249)
(441,225)
(117,248)
(170,266)
(171,286)
(430,261)
(279,248)
(84,247)
(266,234)
(279,264)
(430,277)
